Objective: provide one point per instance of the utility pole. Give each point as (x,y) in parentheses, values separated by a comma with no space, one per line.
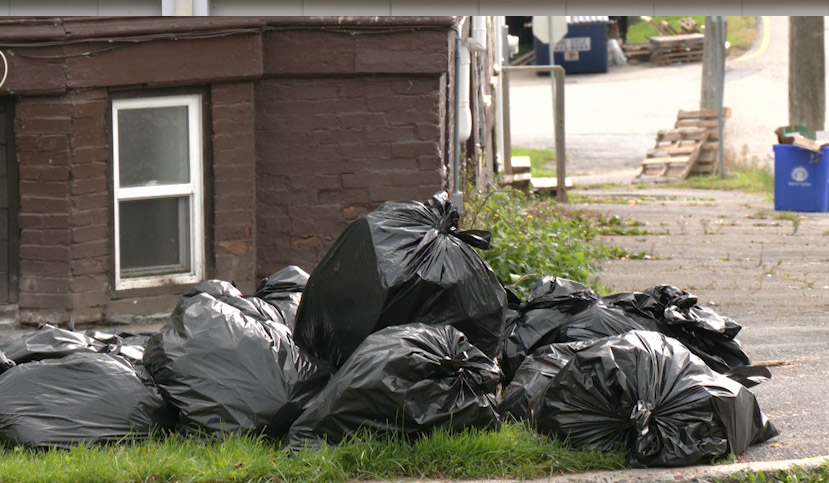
(708,95)
(807,78)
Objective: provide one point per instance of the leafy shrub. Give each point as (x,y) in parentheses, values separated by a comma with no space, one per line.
(533,236)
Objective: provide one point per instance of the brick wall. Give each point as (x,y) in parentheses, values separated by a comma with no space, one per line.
(63,152)
(234,157)
(42,128)
(329,150)
(297,148)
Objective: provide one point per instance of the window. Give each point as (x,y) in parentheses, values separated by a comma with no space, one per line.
(157,185)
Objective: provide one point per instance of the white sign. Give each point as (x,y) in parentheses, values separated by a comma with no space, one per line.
(574,44)
(541,27)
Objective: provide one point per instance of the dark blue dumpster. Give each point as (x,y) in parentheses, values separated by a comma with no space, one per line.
(801,178)
(582,50)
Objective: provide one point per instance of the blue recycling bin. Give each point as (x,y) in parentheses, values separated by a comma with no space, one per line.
(801,179)
(583,50)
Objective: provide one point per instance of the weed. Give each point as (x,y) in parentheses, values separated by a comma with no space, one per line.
(794,474)
(749,178)
(533,236)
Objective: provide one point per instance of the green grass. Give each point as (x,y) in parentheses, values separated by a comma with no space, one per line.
(514,451)
(793,475)
(542,161)
(746,178)
(741,31)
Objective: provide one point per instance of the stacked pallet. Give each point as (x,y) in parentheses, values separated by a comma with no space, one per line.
(674,154)
(706,164)
(637,53)
(668,49)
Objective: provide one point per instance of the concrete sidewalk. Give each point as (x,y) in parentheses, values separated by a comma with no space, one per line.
(691,473)
(767,270)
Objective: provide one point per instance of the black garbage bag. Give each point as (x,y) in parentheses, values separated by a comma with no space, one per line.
(647,393)
(128,345)
(406,262)
(560,310)
(537,370)
(679,315)
(83,397)
(405,379)
(283,290)
(230,365)
(47,342)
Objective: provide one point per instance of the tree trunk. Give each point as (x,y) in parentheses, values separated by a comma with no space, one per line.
(807,79)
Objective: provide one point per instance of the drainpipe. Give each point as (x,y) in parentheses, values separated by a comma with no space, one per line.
(463,115)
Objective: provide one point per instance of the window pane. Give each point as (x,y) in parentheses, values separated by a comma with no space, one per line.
(154,236)
(153,146)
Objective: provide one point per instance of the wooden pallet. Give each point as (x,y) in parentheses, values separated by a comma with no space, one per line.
(676,48)
(706,164)
(674,154)
(521,176)
(637,51)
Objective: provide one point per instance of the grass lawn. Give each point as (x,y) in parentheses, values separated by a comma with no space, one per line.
(542,161)
(514,451)
(741,31)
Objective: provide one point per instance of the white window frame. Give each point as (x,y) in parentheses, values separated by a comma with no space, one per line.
(193,189)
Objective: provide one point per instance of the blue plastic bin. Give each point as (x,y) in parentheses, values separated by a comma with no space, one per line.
(583,50)
(801,179)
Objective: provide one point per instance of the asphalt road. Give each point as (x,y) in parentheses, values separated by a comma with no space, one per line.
(612,119)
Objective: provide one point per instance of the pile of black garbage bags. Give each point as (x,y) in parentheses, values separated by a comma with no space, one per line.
(402,328)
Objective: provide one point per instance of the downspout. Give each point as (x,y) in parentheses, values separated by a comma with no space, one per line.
(462,119)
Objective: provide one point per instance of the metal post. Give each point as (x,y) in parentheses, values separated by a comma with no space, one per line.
(719,22)
(558,120)
(506,115)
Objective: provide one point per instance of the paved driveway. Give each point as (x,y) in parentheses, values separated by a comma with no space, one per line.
(612,119)
(745,261)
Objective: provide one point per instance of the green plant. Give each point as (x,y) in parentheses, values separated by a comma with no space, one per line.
(533,236)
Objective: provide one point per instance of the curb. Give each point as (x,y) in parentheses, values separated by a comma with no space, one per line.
(690,473)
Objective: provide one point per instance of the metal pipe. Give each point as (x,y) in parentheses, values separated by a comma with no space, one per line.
(457,196)
(558,119)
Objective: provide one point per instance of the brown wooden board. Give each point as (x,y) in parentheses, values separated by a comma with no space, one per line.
(706,164)
(674,153)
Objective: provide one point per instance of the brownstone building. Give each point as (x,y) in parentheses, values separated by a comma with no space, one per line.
(138,156)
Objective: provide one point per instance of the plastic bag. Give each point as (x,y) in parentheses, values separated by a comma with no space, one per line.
(83,397)
(406,262)
(678,314)
(405,379)
(229,364)
(47,342)
(560,310)
(650,395)
(283,290)
(533,375)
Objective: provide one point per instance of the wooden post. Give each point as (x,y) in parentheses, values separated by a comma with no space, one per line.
(807,77)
